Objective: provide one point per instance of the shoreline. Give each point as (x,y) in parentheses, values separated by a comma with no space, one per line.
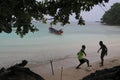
(69,72)
(69,62)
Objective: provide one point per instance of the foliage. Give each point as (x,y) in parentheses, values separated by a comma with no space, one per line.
(112,16)
(18,14)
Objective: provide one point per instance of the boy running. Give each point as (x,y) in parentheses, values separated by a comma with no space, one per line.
(80,57)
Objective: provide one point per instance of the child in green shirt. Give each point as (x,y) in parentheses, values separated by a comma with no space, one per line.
(80,57)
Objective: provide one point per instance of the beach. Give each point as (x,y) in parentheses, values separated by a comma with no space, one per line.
(41,47)
(66,66)
(64,69)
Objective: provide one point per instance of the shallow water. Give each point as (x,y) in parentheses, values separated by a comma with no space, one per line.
(42,46)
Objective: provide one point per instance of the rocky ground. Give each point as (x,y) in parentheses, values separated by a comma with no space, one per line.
(19,72)
(105,74)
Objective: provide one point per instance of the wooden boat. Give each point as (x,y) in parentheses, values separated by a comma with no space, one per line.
(58,32)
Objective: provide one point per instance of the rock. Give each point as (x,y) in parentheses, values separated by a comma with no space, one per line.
(19,72)
(105,74)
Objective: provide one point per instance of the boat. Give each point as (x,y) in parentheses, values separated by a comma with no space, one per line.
(55,31)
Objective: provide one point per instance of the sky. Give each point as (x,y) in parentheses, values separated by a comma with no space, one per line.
(97,12)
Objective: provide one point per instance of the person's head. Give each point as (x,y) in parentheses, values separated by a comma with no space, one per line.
(83,47)
(101,43)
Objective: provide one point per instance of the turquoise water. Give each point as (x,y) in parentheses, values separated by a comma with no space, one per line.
(43,46)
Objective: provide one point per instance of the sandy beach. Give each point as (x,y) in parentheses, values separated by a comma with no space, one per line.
(70,73)
(64,69)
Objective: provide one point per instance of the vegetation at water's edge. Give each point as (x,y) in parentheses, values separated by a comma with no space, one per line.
(112,16)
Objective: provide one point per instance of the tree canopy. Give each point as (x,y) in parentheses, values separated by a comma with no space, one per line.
(112,16)
(18,14)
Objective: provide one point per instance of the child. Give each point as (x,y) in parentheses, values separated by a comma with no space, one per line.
(104,50)
(80,57)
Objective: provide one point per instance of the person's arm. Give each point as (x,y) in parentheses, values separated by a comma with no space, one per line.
(99,50)
(84,53)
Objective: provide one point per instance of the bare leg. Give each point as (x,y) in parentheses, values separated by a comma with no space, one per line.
(81,62)
(102,59)
(87,61)
(79,65)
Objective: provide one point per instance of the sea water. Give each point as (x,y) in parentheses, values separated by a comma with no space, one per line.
(43,46)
